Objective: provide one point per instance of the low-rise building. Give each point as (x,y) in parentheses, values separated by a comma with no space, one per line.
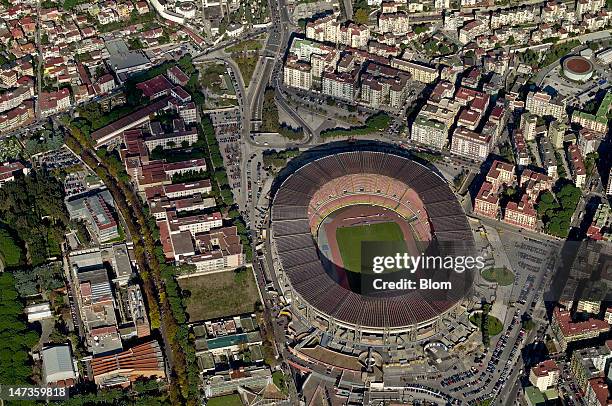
(58,366)
(142,361)
(8,171)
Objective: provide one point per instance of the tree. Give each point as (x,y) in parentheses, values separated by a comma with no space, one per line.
(362,16)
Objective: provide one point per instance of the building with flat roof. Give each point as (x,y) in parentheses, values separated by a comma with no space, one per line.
(123,61)
(95,209)
(429,132)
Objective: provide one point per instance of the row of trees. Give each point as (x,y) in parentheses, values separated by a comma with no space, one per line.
(16,339)
(377,122)
(184,390)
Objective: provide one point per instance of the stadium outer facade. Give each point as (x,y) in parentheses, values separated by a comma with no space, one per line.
(322,186)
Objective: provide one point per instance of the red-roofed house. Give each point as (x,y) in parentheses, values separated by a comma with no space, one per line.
(53,102)
(155,87)
(8,171)
(177,76)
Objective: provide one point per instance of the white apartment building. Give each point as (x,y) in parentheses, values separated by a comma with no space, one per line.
(470,145)
(297,74)
(544,375)
(339,85)
(542,104)
(429,132)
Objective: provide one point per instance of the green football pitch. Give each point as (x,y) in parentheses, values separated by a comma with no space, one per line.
(349,240)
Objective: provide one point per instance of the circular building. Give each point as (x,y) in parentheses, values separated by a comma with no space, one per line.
(577,68)
(354,189)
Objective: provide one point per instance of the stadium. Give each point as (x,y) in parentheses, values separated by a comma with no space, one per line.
(326,206)
(577,68)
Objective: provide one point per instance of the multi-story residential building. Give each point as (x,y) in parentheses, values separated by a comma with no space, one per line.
(512,16)
(328,29)
(340,85)
(471,30)
(597,392)
(596,122)
(54,102)
(19,116)
(418,71)
(566,330)
(547,156)
(429,132)
(521,153)
(544,375)
(486,202)
(588,306)
(521,214)
(470,145)
(589,141)
(588,7)
(500,174)
(529,123)
(577,165)
(383,86)
(535,183)
(589,363)
(13,98)
(297,74)
(553,12)
(441,114)
(556,132)
(396,23)
(542,104)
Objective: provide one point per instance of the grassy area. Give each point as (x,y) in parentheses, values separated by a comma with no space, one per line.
(502,276)
(227,400)
(495,326)
(245,46)
(350,239)
(220,294)
(246,64)
(10,252)
(279,380)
